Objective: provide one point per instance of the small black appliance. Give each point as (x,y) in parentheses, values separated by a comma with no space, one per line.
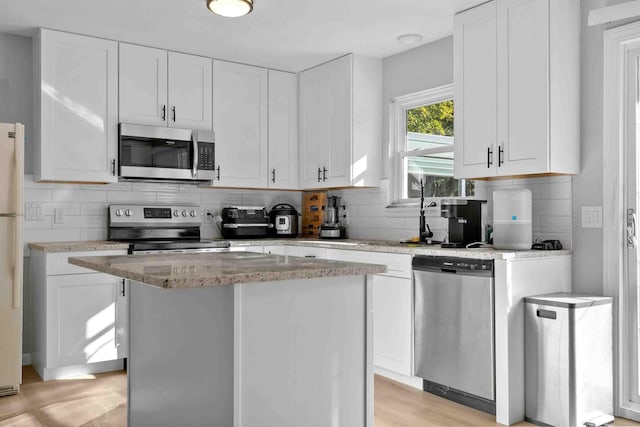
(284,220)
(465,221)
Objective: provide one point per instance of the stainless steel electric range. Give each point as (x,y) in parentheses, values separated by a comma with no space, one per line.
(152,229)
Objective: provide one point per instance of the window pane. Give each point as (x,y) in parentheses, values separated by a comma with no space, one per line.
(430,127)
(437,172)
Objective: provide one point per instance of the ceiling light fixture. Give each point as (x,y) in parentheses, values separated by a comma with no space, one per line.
(409,38)
(230,8)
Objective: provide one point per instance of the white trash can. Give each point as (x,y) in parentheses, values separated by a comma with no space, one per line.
(568,360)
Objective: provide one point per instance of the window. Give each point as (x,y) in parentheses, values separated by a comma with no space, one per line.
(424,147)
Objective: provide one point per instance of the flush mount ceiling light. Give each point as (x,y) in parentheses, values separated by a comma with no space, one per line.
(409,38)
(230,8)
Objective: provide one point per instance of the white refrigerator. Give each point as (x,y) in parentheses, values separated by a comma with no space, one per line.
(11,252)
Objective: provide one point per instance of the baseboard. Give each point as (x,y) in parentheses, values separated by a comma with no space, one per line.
(64,372)
(26,359)
(414,382)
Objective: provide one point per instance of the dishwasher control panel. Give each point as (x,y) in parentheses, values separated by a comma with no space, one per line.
(452,264)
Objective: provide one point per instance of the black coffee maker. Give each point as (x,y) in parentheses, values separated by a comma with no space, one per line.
(465,221)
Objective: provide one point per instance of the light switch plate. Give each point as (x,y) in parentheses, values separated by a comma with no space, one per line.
(58,215)
(592,217)
(33,212)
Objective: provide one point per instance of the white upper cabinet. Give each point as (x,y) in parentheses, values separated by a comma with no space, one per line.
(165,88)
(522,117)
(241,124)
(190,91)
(475,124)
(143,85)
(76,107)
(283,130)
(340,113)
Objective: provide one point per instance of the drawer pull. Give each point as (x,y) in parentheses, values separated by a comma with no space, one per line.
(546,314)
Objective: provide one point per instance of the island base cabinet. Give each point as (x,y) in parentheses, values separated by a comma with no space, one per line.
(286,353)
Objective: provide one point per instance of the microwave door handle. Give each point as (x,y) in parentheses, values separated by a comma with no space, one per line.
(196,160)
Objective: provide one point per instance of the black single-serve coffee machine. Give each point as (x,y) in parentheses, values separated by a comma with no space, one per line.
(465,221)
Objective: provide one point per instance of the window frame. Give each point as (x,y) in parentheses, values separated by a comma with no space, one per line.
(398,125)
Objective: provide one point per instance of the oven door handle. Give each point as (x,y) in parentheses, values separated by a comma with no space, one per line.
(196,152)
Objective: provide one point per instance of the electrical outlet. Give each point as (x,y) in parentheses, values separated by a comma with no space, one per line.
(33,212)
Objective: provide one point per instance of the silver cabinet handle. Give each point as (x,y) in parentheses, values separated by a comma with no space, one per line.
(273,176)
(319,174)
(631,228)
(164,113)
(173,112)
(196,153)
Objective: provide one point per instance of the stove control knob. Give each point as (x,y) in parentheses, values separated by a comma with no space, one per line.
(192,213)
(176,213)
(184,213)
(127,212)
(118,212)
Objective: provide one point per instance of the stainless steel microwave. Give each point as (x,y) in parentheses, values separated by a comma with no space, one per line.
(154,152)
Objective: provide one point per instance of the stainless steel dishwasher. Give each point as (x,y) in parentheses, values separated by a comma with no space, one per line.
(454,329)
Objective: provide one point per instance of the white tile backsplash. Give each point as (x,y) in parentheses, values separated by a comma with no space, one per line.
(371,219)
(85,205)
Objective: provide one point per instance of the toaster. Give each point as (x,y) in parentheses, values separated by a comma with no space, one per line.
(244,222)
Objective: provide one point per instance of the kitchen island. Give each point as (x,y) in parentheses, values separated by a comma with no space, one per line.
(246,339)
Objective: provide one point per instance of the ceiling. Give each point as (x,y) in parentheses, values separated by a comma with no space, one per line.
(289,35)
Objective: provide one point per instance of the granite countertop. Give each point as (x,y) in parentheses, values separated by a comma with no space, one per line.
(349,244)
(220,268)
(80,246)
(402,248)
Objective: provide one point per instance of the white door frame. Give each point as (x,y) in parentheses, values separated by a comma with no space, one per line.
(618,42)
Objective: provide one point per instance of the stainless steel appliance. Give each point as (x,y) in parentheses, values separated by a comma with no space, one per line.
(153,152)
(454,329)
(245,222)
(160,229)
(333,226)
(284,220)
(568,360)
(465,221)
(11,220)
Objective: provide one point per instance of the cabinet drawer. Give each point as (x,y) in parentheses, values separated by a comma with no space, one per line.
(398,265)
(58,263)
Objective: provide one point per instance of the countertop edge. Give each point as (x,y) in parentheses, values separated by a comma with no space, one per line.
(353,269)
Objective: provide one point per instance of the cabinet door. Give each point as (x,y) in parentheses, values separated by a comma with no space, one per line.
(122,319)
(81,315)
(143,85)
(189,91)
(283,130)
(78,107)
(475,92)
(523,88)
(240,122)
(338,163)
(392,324)
(315,125)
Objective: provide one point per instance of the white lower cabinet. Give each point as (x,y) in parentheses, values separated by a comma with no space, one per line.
(80,317)
(392,308)
(392,323)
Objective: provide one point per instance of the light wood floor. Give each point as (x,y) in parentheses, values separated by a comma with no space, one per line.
(100,401)
(92,401)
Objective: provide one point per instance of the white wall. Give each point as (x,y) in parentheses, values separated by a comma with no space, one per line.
(587,186)
(16,100)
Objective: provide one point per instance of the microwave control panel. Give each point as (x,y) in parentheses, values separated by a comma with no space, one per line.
(205,156)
